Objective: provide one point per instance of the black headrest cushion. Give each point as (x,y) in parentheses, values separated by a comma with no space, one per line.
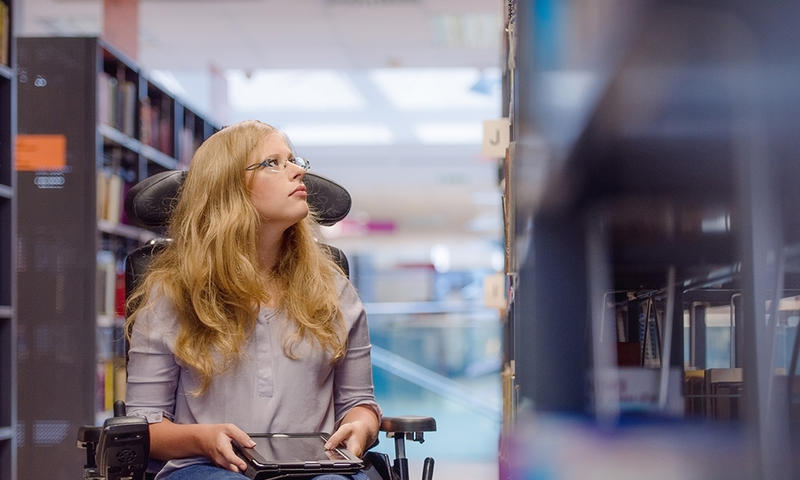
(149,202)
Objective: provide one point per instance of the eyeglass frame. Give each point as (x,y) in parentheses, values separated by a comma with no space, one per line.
(304,164)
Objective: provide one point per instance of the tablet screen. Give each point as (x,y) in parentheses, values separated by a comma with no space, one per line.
(283,449)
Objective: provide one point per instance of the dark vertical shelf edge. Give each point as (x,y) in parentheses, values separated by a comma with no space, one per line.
(8,253)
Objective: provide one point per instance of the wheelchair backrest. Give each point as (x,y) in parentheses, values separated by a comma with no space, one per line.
(149,204)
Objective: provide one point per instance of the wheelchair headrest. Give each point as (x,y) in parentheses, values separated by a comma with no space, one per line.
(149,202)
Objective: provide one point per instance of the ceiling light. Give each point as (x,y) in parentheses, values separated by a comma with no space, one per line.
(435,88)
(292,90)
(449,133)
(339,134)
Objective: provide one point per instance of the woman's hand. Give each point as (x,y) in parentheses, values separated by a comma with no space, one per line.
(215,441)
(358,431)
(172,440)
(353,435)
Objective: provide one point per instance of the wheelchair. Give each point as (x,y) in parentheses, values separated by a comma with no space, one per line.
(119,450)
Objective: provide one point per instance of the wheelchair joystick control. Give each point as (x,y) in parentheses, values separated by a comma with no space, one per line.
(119,450)
(119,408)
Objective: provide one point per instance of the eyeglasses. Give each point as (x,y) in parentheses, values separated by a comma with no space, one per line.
(277,165)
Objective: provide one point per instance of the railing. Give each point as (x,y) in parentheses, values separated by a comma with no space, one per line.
(434,382)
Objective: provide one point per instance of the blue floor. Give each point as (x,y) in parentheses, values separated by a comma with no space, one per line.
(463,432)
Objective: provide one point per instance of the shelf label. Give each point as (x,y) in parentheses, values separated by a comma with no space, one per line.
(41,152)
(496,136)
(494,291)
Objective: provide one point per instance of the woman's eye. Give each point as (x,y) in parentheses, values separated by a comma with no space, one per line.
(271,162)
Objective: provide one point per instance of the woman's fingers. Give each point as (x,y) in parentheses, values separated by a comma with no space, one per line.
(233,460)
(238,435)
(338,436)
(223,454)
(349,435)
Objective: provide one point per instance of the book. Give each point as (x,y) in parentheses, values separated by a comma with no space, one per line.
(127,108)
(102,194)
(114,198)
(106,282)
(106,86)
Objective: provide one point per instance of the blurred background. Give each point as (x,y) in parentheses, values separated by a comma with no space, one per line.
(387,98)
(612,292)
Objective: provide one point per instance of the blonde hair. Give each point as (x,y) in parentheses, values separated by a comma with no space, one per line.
(209,272)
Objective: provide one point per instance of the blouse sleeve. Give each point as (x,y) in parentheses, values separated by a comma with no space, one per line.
(353,375)
(153,373)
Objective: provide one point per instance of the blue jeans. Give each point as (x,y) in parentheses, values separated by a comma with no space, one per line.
(205,471)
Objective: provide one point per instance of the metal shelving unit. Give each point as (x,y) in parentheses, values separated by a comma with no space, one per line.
(653,158)
(118,126)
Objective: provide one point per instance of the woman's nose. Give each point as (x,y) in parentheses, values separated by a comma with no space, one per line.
(296,171)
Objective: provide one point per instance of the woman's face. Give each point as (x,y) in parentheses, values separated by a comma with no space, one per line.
(276,187)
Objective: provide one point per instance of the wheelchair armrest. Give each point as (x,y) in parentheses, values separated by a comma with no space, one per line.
(88,434)
(409,423)
(410,427)
(88,437)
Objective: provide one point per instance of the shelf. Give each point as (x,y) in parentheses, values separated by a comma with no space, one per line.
(6,191)
(6,433)
(160,158)
(668,184)
(113,135)
(6,311)
(127,231)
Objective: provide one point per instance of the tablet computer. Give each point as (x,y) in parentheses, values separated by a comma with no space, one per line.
(280,455)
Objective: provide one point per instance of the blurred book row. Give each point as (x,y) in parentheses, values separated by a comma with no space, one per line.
(117,107)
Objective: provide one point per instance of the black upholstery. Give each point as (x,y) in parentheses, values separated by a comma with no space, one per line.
(149,202)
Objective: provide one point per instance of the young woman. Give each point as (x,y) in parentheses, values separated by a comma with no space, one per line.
(244,324)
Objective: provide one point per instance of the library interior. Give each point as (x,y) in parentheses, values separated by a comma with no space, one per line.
(572,224)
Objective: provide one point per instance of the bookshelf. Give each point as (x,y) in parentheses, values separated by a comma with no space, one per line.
(650,179)
(115,126)
(8,221)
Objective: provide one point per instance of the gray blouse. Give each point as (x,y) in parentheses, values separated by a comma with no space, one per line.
(266,391)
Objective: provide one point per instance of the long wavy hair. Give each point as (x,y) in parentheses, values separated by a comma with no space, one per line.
(210,271)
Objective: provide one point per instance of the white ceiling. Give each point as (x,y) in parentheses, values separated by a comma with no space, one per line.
(252,34)
(444,188)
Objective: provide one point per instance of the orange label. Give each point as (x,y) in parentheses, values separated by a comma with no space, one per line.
(41,152)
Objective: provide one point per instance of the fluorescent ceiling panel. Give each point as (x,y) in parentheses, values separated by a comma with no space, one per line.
(308,90)
(338,134)
(438,88)
(449,133)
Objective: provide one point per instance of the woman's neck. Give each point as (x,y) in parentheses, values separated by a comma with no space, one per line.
(269,249)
